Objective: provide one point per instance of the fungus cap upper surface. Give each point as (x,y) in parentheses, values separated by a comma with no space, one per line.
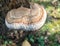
(25,18)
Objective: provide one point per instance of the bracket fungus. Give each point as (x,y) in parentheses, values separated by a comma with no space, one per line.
(28,19)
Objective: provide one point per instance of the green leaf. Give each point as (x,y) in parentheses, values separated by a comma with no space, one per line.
(32,40)
(41,39)
(10,42)
(6,42)
(0,37)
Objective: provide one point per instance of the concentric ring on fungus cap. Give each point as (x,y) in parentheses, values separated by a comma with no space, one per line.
(37,19)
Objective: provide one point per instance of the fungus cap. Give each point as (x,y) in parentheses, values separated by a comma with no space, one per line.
(25,18)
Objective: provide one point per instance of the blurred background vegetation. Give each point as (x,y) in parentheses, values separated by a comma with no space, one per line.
(48,35)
